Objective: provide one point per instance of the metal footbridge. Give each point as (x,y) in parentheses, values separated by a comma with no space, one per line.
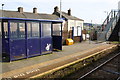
(109,30)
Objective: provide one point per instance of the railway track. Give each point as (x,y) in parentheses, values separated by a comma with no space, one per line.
(108,70)
(105,68)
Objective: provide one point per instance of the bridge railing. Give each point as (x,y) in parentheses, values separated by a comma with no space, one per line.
(108,25)
(112,26)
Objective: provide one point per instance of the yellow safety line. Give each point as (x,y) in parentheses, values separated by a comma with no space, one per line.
(31,67)
(66,65)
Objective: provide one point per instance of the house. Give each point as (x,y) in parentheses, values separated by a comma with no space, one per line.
(72,26)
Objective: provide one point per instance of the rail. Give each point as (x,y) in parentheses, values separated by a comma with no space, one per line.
(118,78)
(96,68)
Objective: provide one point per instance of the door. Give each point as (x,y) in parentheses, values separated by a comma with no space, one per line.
(33,39)
(72,33)
(5,42)
(57,36)
(46,39)
(79,32)
(17,40)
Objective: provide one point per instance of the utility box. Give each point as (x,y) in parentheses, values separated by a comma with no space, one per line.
(69,41)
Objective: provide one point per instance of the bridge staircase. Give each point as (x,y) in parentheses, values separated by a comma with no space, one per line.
(108,31)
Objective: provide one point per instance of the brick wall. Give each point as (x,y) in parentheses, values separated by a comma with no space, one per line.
(64,36)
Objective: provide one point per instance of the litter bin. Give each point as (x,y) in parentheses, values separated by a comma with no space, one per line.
(69,41)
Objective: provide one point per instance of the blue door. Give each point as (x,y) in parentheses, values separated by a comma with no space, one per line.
(17,40)
(5,42)
(46,39)
(46,45)
(33,39)
(57,36)
(0,40)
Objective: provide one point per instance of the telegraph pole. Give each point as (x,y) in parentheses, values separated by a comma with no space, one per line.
(90,26)
(60,9)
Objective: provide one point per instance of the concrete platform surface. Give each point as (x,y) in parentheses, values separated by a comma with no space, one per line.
(50,61)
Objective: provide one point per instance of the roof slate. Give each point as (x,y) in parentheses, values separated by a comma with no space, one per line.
(68,17)
(28,15)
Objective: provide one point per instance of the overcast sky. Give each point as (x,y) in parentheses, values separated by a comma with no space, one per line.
(84,9)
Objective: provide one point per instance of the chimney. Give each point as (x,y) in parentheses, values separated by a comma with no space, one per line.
(69,12)
(20,9)
(35,10)
(56,9)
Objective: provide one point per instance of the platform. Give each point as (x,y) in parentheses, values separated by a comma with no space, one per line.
(41,64)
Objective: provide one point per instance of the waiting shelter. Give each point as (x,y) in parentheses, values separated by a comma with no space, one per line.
(24,38)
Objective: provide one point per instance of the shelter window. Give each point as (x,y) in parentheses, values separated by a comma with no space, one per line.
(13,30)
(46,29)
(29,33)
(35,29)
(32,29)
(5,29)
(56,29)
(17,30)
(21,30)
(0,30)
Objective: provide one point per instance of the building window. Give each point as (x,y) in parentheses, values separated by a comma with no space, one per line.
(17,30)
(77,31)
(45,29)
(56,30)
(32,29)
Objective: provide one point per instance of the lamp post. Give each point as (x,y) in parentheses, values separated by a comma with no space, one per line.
(2,9)
(106,12)
(89,33)
(107,16)
(90,26)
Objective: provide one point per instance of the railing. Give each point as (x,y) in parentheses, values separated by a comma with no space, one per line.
(108,26)
(112,26)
